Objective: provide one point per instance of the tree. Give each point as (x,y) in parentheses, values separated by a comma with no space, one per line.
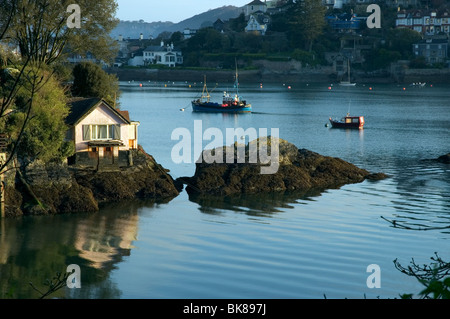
(41,30)
(435,278)
(177,38)
(206,39)
(238,24)
(16,75)
(380,59)
(44,128)
(90,80)
(307,21)
(402,39)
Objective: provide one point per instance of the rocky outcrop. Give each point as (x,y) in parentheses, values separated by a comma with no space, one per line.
(298,170)
(58,188)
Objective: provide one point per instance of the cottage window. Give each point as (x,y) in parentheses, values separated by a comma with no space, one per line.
(101,132)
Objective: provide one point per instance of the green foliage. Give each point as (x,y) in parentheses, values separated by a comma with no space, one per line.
(381,59)
(307,58)
(418,63)
(43,137)
(306,21)
(90,80)
(40,29)
(436,289)
(206,39)
(401,40)
(435,278)
(238,24)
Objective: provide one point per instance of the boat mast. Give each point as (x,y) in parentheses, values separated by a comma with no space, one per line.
(205,89)
(348,69)
(236,84)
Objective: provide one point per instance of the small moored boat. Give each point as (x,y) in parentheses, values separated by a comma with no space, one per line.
(231,103)
(348,122)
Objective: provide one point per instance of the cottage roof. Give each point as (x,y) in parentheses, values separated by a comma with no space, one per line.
(260,17)
(80,107)
(158,48)
(125,114)
(420,13)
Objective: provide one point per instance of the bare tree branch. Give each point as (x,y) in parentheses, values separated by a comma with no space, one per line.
(396,224)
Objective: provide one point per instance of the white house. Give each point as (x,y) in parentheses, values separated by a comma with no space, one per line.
(136,58)
(257,23)
(163,54)
(189,33)
(254,6)
(102,134)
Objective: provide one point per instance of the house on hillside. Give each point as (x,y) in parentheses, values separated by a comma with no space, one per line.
(426,22)
(258,22)
(136,58)
(104,136)
(188,33)
(163,54)
(345,22)
(254,6)
(434,50)
(219,25)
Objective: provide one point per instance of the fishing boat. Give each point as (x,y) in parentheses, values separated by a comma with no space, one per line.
(348,122)
(348,82)
(231,103)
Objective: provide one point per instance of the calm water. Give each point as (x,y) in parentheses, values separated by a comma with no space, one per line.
(268,246)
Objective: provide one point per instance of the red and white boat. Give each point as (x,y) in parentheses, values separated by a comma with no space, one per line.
(348,122)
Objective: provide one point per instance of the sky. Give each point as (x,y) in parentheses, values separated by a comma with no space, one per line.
(169,10)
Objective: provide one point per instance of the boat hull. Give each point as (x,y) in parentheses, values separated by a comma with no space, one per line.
(347,84)
(348,122)
(219,108)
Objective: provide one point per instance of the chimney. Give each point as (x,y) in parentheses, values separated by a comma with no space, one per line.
(141,37)
(120,37)
(162,43)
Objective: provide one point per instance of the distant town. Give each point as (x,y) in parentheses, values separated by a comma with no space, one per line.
(414,34)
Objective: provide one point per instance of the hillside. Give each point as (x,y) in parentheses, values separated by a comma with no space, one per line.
(133,29)
(206,18)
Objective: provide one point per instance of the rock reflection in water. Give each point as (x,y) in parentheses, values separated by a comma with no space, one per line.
(252,204)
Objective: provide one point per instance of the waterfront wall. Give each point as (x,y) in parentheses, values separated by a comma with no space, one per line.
(285,72)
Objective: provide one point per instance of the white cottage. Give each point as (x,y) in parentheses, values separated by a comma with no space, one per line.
(103,135)
(254,6)
(257,23)
(163,54)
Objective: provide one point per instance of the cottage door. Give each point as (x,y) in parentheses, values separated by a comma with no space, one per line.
(108,155)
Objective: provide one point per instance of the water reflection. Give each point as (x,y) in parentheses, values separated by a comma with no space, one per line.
(422,197)
(34,249)
(252,204)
